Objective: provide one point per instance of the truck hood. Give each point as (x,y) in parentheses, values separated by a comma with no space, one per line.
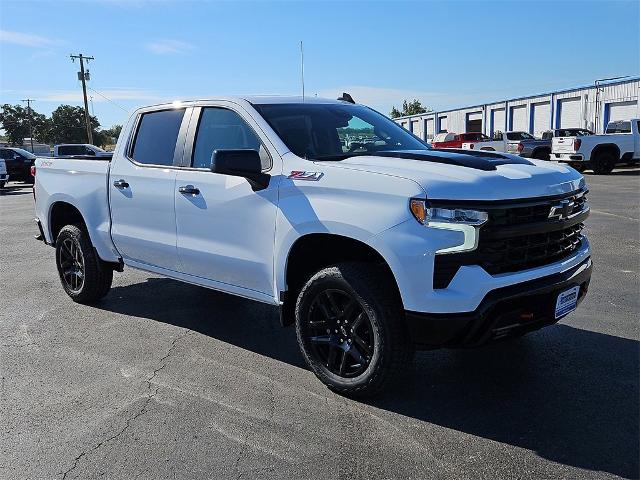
(454,175)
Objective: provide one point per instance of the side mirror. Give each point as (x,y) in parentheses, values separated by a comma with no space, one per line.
(241,163)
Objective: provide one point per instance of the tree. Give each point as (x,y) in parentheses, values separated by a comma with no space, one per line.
(409,108)
(67,125)
(111,134)
(15,123)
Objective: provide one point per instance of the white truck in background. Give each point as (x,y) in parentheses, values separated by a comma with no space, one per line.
(500,142)
(79,149)
(620,144)
(369,249)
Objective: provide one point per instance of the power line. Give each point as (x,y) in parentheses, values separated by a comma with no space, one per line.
(108,99)
(83,77)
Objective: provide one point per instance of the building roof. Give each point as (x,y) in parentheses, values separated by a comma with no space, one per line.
(524,97)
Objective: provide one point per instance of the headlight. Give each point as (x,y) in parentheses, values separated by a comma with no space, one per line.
(428,215)
(457,219)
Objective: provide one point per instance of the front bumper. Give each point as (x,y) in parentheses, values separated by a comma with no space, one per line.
(505,312)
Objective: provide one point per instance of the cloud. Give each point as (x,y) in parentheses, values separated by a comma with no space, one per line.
(165,47)
(27,39)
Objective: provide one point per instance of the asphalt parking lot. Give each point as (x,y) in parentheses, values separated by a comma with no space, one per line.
(167,380)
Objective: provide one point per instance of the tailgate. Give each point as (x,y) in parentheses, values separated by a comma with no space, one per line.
(563,145)
(512,147)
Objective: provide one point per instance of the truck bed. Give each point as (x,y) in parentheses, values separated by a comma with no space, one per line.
(81,182)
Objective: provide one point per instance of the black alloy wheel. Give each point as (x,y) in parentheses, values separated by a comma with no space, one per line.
(350,328)
(340,333)
(71,263)
(84,276)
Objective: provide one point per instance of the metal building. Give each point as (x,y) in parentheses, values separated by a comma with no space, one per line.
(589,107)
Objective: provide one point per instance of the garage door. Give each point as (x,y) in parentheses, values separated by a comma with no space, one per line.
(474,122)
(519,118)
(569,113)
(444,124)
(541,117)
(622,110)
(415,128)
(497,121)
(430,129)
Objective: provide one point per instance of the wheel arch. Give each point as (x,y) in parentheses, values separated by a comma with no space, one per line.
(63,213)
(606,147)
(312,252)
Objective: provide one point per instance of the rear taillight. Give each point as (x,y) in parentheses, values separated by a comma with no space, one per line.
(576,144)
(33,170)
(520,148)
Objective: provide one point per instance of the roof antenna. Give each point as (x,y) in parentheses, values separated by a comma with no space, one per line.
(302,68)
(346,98)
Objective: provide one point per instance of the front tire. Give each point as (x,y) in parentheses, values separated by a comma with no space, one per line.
(84,276)
(350,329)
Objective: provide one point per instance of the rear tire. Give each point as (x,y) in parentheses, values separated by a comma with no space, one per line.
(350,329)
(2,184)
(84,276)
(542,155)
(603,164)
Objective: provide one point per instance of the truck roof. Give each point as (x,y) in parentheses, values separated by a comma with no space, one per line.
(253,99)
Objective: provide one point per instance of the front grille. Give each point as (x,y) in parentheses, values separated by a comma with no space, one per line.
(520,236)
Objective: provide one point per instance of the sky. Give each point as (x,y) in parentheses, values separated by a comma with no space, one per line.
(446,54)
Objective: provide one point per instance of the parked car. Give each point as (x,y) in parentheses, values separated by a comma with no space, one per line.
(500,142)
(540,148)
(620,144)
(18,162)
(455,140)
(370,253)
(4,177)
(79,149)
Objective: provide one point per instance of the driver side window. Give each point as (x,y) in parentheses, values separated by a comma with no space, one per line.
(224,129)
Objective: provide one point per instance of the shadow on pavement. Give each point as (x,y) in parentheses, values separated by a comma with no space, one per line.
(569,395)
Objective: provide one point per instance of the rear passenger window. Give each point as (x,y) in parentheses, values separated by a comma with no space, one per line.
(155,142)
(223,129)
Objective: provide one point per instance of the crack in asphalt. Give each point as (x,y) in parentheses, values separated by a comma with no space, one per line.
(152,393)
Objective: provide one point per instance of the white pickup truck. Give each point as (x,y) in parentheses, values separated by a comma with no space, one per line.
(620,144)
(500,142)
(370,250)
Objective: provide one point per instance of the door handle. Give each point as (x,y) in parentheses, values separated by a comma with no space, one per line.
(189,190)
(120,184)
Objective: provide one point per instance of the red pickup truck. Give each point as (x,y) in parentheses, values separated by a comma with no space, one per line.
(455,140)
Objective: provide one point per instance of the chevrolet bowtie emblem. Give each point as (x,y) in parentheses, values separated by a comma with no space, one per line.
(561,210)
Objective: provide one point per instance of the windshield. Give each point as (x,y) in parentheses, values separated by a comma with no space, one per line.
(24,153)
(323,131)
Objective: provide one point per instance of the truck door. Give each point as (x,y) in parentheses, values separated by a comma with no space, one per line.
(141,186)
(225,229)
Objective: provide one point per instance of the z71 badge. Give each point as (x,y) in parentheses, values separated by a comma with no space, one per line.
(301,175)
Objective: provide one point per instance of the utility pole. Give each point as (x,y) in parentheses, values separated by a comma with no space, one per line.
(83,77)
(29,100)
